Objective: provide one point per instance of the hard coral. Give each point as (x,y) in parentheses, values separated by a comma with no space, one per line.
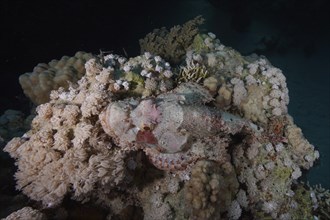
(127,136)
(26,213)
(38,84)
(171,45)
(192,72)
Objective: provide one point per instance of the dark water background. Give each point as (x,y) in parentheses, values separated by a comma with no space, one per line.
(294,35)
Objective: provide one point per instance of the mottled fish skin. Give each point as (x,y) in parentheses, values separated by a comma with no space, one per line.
(168,162)
(165,126)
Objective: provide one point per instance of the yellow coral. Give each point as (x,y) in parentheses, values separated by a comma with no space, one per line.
(192,73)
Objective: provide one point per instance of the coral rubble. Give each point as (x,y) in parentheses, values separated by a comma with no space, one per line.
(199,134)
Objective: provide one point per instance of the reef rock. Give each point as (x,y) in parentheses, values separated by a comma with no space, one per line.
(207,139)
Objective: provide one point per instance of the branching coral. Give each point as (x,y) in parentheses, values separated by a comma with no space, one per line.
(171,45)
(321,198)
(127,136)
(192,73)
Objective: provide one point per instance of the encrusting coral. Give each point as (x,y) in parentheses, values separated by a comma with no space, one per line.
(131,136)
(44,78)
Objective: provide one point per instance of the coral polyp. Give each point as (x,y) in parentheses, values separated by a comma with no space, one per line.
(212,140)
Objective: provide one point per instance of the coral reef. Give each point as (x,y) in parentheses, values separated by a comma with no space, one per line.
(192,72)
(210,191)
(321,200)
(44,78)
(144,75)
(26,213)
(66,139)
(206,138)
(172,45)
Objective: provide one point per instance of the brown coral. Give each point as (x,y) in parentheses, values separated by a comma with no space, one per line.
(26,213)
(171,45)
(209,190)
(38,84)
